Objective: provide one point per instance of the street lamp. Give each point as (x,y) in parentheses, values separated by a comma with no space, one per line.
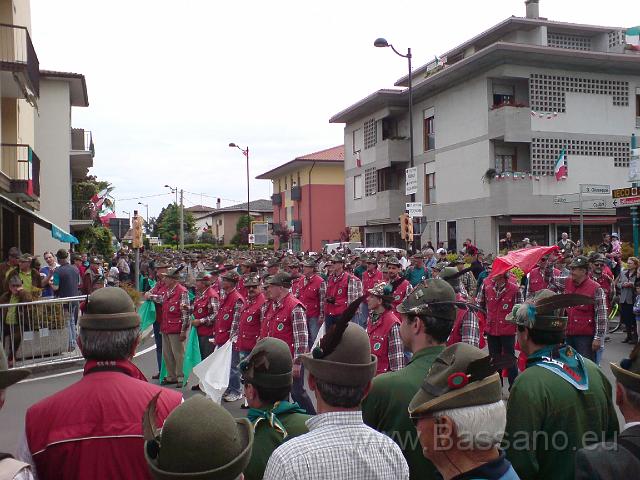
(245,152)
(180,213)
(146,205)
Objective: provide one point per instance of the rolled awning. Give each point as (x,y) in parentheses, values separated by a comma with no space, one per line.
(56,232)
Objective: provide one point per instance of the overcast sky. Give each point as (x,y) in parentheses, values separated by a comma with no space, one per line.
(172,83)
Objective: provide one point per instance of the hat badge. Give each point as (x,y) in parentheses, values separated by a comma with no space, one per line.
(457,380)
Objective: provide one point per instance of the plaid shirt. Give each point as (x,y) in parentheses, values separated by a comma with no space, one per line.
(470,329)
(600,308)
(185,313)
(469,283)
(214,306)
(397,360)
(237,308)
(354,287)
(339,445)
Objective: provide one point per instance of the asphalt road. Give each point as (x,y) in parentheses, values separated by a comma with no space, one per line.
(21,396)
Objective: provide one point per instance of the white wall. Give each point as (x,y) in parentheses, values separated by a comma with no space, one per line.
(53,144)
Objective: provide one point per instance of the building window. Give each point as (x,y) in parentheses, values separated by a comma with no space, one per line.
(357,140)
(503,95)
(637,107)
(505,163)
(370,182)
(389,128)
(430,188)
(357,187)
(429,132)
(370,133)
(572,42)
(373,239)
(387,179)
(285,184)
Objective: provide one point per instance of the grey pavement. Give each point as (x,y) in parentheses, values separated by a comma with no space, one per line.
(21,396)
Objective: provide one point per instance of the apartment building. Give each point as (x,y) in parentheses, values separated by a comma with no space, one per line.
(308,198)
(491,117)
(26,95)
(222,222)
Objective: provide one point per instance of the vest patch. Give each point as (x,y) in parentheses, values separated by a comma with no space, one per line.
(280,327)
(200,310)
(226,316)
(172,308)
(249,318)
(376,346)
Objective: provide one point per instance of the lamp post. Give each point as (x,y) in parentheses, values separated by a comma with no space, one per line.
(180,212)
(145,205)
(382,43)
(245,152)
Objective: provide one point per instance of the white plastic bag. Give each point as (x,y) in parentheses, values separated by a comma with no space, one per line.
(312,395)
(213,372)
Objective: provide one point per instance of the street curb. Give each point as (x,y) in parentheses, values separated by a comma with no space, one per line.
(52,366)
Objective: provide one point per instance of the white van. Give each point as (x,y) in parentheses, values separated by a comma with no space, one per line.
(339,247)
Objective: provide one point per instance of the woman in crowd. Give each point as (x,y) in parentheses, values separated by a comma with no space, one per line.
(626,284)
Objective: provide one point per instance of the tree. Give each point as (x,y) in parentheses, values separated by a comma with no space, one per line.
(242,230)
(168,223)
(96,240)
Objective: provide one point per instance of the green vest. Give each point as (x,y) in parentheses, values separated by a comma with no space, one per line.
(548,420)
(385,409)
(267,439)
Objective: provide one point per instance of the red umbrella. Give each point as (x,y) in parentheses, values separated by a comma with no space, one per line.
(525,259)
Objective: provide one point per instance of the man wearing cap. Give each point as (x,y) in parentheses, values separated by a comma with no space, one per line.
(65,284)
(467,279)
(251,313)
(156,294)
(192,268)
(498,297)
(540,276)
(417,272)
(246,267)
(460,416)
(339,445)
(199,440)
(602,275)
(267,378)
(587,324)
(273,267)
(562,401)
(92,279)
(204,310)
(31,279)
(370,278)
(342,289)
(383,328)
(175,322)
(92,428)
(10,264)
(424,330)
(311,290)
(617,459)
(229,315)
(400,286)
(11,468)
(487,266)
(285,318)
(467,327)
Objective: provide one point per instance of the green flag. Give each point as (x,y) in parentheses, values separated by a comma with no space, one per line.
(191,296)
(191,354)
(147,312)
(163,371)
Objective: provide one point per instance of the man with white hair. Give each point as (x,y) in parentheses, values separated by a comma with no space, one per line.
(460,416)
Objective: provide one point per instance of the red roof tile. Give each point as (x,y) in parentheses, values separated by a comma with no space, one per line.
(330,154)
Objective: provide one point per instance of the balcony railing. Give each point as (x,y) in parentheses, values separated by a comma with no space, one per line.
(17,54)
(82,140)
(296,193)
(21,164)
(80,210)
(276,199)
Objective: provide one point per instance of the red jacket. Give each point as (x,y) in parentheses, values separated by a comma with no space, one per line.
(278,323)
(379,338)
(159,289)
(202,309)
(369,281)
(93,428)
(498,307)
(172,311)
(309,294)
(224,319)
(338,290)
(537,282)
(250,322)
(400,292)
(582,319)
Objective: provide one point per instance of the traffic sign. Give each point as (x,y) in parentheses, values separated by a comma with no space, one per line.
(627,201)
(414,209)
(599,203)
(569,198)
(411,184)
(625,192)
(595,189)
(252,238)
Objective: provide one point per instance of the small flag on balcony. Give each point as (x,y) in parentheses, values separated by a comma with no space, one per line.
(632,38)
(560,170)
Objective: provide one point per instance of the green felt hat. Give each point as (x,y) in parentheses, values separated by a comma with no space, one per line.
(393,261)
(175,273)
(544,311)
(579,262)
(627,372)
(231,276)
(461,376)
(203,277)
(309,262)
(451,275)
(382,290)
(200,440)
(109,309)
(440,266)
(25,257)
(427,300)
(282,279)
(9,377)
(350,363)
(269,364)
(252,280)
(338,259)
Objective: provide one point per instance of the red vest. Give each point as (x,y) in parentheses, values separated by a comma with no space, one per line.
(581,318)
(536,282)
(171,312)
(202,309)
(456,332)
(224,319)
(242,290)
(605,283)
(337,289)
(400,293)
(93,428)
(249,326)
(369,281)
(278,323)
(309,294)
(498,307)
(379,338)
(159,289)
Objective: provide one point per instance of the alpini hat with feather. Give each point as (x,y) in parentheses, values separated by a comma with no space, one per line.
(343,356)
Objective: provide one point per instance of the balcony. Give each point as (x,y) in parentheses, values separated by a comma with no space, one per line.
(18,60)
(297,226)
(276,199)
(82,152)
(80,215)
(21,166)
(296,193)
(392,151)
(510,123)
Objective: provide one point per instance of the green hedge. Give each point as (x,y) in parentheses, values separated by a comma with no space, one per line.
(206,246)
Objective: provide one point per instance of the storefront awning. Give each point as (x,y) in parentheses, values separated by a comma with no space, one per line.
(565,220)
(56,232)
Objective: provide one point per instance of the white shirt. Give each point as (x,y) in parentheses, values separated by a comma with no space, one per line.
(404,262)
(338,446)
(629,425)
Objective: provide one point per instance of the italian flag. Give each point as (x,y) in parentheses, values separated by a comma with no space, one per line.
(632,38)
(560,170)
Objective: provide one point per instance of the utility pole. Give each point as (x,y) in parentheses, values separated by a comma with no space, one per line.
(635,161)
(181,219)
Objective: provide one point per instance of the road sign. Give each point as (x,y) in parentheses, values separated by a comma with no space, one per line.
(599,203)
(252,238)
(627,201)
(594,189)
(569,198)
(411,180)
(414,209)
(625,192)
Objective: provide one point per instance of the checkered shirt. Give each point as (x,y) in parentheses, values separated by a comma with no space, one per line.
(397,360)
(214,306)
(338,446)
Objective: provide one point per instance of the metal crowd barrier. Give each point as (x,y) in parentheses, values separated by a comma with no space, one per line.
(39,332)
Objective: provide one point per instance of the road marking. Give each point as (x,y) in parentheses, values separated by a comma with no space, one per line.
(73,372)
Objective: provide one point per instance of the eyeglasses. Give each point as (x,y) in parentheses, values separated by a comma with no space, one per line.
(415,418)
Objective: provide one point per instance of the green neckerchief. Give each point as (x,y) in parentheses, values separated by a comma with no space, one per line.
(564,361)
(375,316)
(255,415)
